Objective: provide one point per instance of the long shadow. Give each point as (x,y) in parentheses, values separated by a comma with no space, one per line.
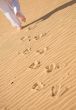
(46,16)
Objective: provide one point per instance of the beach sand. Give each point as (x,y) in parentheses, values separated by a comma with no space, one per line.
(38,63)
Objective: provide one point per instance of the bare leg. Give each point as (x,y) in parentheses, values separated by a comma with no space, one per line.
(15,5)
(4,7)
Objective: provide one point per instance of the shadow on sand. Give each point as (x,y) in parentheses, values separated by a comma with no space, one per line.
(46,16)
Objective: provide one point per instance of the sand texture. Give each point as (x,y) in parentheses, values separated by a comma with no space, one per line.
(38,63)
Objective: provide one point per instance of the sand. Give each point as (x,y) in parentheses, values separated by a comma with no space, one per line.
(38,63)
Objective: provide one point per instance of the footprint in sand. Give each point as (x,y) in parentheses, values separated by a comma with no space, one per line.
(51,67)
(37,37)
(41,51)
(55,90)
(63,91)
(58,90)
(23,38)
(35,65)
(38,86)
(26,51)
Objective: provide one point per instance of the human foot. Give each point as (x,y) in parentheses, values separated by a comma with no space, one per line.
(21,17)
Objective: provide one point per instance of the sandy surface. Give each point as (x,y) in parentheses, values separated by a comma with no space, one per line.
(38,64)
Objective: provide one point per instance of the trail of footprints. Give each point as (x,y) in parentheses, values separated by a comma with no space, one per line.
(40,85)
(39,51)
(55,90)
(30,38)
(49,68)
(36,37)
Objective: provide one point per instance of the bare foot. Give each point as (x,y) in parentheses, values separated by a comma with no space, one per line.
(21,17)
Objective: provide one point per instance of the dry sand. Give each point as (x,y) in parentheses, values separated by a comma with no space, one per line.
(38,64)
